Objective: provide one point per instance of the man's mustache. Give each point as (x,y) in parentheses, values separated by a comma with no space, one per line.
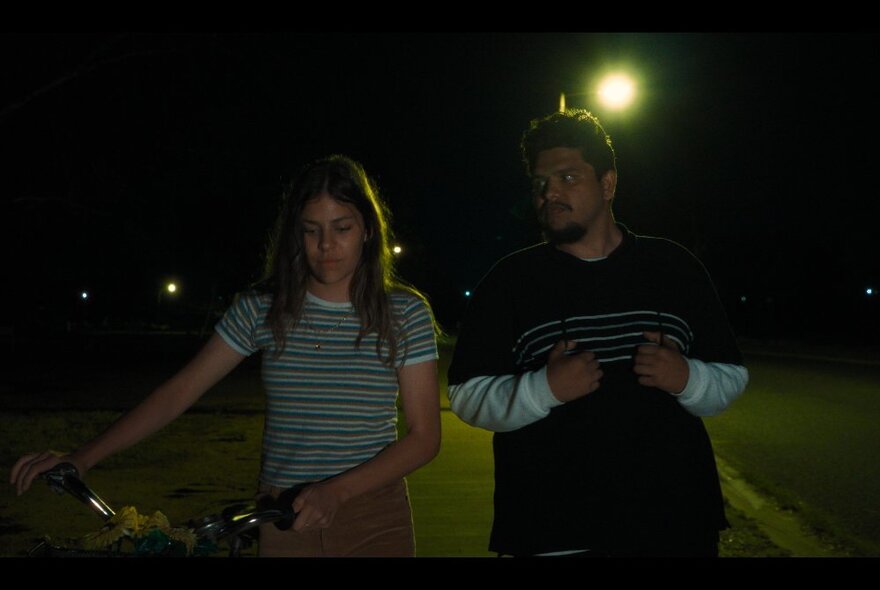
(542,210)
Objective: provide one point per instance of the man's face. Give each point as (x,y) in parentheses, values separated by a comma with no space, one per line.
(569,199)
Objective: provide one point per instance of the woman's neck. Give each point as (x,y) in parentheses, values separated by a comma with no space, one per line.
(337,293)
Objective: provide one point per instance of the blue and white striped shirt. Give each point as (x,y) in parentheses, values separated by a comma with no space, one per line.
(330,405)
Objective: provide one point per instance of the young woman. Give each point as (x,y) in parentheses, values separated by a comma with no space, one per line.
(340,336)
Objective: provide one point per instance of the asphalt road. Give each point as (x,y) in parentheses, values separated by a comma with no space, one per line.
(808,432)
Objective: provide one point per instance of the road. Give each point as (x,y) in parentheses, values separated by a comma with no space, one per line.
(808,432)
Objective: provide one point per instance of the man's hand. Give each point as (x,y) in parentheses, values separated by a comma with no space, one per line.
(572,376)
(661,365)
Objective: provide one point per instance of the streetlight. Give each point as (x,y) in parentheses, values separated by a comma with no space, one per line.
(169,289)
(614,91)
(617,91)
(397,250)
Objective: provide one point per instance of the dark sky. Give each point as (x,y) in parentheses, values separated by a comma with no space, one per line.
(129,158)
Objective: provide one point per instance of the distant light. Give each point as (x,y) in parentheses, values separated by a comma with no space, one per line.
(467,293)
(869,291)
(84,295)
(397,249)
(171,288)
(617,91)
(742,299)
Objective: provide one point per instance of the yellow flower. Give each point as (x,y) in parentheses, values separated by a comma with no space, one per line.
(103,538)
(158,520)
(127,522)
(124,522)
(185,536)
(127,518)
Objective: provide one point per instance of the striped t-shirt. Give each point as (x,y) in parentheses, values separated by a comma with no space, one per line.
(330,405)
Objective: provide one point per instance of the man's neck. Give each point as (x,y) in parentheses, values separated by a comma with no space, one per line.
(598,242)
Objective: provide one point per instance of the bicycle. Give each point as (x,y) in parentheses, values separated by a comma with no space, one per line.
(237,524)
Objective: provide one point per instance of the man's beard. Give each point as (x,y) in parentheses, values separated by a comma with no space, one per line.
(569,234)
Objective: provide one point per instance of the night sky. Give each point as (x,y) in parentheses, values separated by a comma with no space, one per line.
(129,159)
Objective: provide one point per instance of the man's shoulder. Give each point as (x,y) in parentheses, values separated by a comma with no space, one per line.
(662,248)
(515,270)
(516,261)
(670,256)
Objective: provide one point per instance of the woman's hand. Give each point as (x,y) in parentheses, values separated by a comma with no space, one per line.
(316,506)
(32,465)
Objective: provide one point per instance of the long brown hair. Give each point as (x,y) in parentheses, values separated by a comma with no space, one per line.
(287,269)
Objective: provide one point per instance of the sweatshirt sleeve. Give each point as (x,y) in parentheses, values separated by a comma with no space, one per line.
(504,402)
(486,388)
(712,387)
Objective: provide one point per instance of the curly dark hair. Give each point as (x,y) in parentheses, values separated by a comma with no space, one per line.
(574,128)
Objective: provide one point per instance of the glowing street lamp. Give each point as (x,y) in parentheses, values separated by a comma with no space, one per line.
(615,91)
(168,288)
(397,250)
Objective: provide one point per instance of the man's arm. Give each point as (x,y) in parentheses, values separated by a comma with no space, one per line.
(702,388)
(507,402)
(712,387)
(714,371)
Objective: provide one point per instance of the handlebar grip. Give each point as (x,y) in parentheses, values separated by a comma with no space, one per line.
(284,503)
(64,477)
(57,477)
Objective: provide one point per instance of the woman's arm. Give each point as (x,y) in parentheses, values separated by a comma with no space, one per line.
(215,360)
(317,504)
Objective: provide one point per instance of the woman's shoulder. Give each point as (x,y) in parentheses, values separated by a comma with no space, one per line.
(408,298)
(254,301)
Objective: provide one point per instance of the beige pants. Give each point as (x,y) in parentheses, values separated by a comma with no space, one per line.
(375,524)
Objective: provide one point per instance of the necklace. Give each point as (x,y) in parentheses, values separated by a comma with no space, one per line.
(321,334)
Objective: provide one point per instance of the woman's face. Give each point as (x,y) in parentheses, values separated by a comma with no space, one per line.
(333,236)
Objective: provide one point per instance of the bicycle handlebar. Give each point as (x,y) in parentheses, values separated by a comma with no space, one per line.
(238,519)
(232,522)
(64,477)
